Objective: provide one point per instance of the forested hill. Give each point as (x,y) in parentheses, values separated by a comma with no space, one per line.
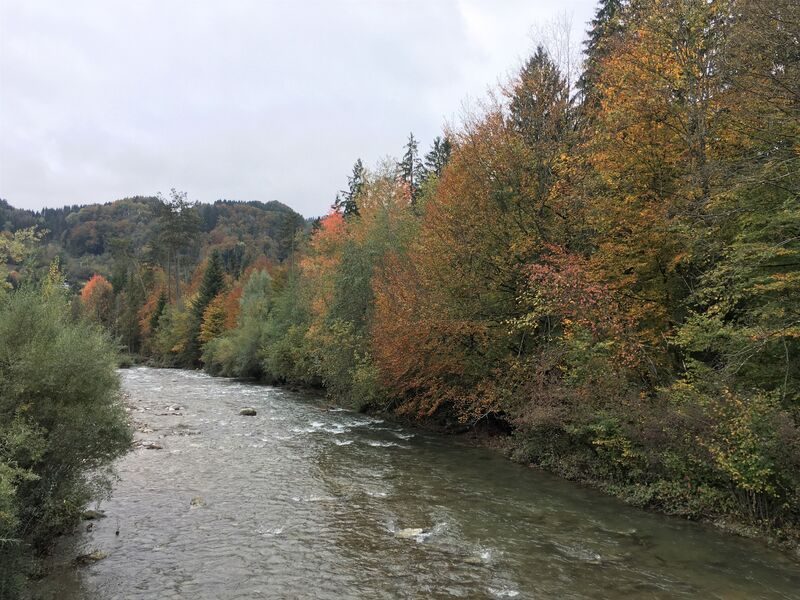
(94,238)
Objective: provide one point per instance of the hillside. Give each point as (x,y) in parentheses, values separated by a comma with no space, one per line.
(92,238)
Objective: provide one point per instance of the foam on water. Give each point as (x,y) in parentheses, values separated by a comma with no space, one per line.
(503,592)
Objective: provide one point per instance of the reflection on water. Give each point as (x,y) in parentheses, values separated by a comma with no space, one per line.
(302,501)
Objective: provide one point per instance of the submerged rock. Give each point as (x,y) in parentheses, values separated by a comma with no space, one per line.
(248,412)
(91,515)
(152,446)
(91,558)
(410,532)
(197,502)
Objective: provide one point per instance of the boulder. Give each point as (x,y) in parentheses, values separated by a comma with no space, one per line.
(248,412)
(411,532)
(91,515)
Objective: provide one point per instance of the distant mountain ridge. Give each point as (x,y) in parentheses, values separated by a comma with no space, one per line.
(87,238)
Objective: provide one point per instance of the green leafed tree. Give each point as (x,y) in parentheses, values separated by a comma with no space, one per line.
(61,423)
(239,352)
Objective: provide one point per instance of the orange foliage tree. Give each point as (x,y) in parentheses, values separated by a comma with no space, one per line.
(658,154)
(97,297)
(495,207)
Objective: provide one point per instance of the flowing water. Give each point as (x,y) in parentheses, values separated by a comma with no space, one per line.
(304,501)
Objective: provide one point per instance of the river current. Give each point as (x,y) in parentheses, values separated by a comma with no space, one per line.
(307,501)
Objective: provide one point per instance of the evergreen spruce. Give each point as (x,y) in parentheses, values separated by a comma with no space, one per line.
(437,158)
(410,170)
(540,101)
(213,283)
(347,200)
(161,304)
(606,25)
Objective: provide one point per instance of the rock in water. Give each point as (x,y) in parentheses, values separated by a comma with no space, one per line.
(91,515)
(410,532)
(197,502)
(248,412)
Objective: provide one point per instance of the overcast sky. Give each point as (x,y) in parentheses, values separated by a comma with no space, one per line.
(246,100)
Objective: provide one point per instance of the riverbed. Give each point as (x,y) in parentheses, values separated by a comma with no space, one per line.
(304,500)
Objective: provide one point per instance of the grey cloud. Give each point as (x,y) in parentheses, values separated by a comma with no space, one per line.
(243,99)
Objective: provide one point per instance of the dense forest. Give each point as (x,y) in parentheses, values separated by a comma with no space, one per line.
(605,271)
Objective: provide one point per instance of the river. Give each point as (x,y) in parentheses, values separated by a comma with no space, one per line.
(305,501)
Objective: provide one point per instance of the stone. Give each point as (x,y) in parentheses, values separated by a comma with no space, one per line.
(410,532)
(248,412)
(91,515)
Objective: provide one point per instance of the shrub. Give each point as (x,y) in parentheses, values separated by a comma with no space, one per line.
(61,423)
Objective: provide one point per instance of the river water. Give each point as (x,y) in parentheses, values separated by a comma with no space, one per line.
(304,501)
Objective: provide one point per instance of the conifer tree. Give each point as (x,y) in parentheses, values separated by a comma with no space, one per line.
(436,159)
(347,200)
(161,304)
(212,284)
(410,170)
(606,25)
(540,101)
(541,115)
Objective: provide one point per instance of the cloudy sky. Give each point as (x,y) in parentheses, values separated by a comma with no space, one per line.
(240,99)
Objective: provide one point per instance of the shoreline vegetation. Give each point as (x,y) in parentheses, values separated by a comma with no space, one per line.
(62,424)
(601,267)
